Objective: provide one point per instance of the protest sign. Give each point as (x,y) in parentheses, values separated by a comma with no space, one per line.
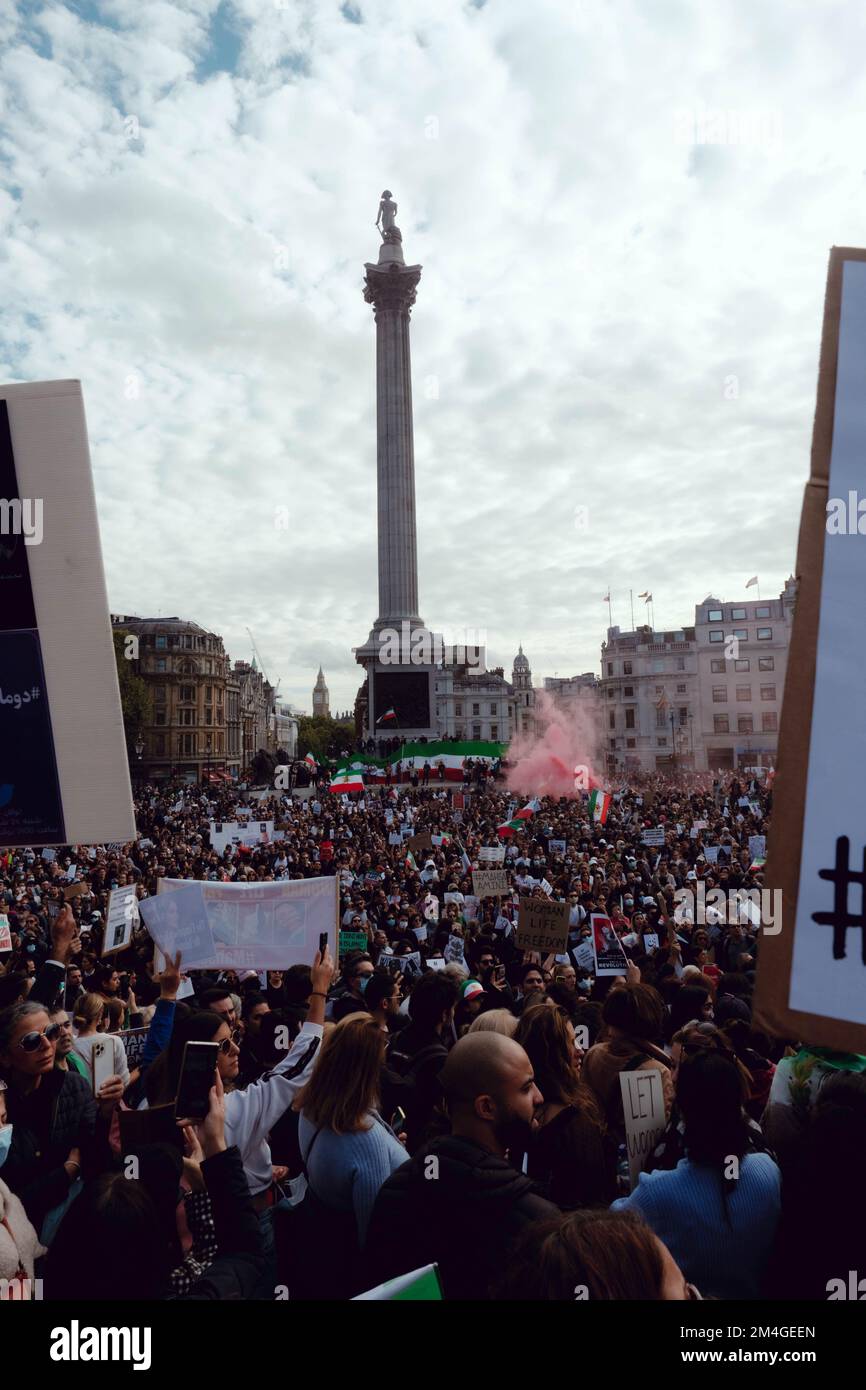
(65,766)
(121,919)
(607,948)
(423,840)
(490,883)
(757,846)
(548,887)
(436,963)
(454,949)
(491,854)
(410,964)
(653,837)
(420,933)
(542,926)
(650,941)
(395,838)
(431,910)
(5,933)
(454,898)
(458,800)
(49,855)
(585,955)
(75,890)
(133,1040)
(470,907)
(711,853)
(353,941)
(643,1106)
(557,846)
(810,975)
(250,926)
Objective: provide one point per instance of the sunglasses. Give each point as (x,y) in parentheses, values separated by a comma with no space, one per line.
(227,1044)
(30,1042)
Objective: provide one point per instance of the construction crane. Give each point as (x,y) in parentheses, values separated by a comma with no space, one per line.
(258,654)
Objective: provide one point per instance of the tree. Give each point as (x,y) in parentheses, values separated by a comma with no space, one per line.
(324,738)
(136,700)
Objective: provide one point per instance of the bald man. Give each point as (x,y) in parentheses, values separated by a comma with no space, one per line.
(458,1202)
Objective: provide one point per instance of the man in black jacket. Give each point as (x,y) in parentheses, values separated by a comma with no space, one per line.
(458,1203)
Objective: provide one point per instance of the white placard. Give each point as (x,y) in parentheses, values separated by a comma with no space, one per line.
(653,837)
(246,926)
(491,854)
(607,948)
(121,920)
(65,764)
(643,1106)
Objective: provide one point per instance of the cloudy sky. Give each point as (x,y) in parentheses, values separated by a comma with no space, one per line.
(623,209)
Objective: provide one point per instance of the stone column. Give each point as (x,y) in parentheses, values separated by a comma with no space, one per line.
(390,288)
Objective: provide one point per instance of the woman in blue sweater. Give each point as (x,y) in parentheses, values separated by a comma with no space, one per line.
(348,1152)
(718,1210)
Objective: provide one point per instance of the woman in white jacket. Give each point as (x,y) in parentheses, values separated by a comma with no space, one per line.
(87,1018)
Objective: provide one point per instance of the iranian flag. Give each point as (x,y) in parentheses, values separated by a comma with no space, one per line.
(509,827)
(347,782)
(528,811)
(388,717)
(599,805)
(311,762)
(410,862)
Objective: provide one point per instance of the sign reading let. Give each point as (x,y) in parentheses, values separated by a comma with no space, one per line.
(542,926)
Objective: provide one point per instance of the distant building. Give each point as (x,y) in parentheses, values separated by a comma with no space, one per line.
(284,728)
(579,692)
(649,698)
(524,695)
(186,670)
(321,699)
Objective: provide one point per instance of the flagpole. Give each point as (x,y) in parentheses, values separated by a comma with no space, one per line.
(631,605)
(609,609)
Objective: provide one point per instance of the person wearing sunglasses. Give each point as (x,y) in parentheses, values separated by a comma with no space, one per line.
(59,1130)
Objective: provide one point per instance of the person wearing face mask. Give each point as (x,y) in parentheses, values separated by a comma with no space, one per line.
(356,974)
(465,1220)
(19,1244)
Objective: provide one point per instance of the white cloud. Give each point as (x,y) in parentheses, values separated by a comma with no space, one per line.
(590,285)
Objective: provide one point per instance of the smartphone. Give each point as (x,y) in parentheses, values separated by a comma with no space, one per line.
(323,942)
(101,1062)
(398,1120)
(153,1126)
(499,974)
(196,1078)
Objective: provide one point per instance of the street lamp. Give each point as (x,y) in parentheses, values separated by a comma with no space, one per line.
(139,749)
(673,741)
(208,742)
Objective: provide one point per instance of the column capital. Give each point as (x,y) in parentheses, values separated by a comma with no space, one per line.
(391,287)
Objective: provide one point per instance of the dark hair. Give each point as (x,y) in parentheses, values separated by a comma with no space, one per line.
(380,986)
(434,994)
(112,1213)
(686,1004)
(526,968)
(103,973)
(711,1094)
(297,983)
(12,988)
(613,1255)
(543,1034)
(162,1077)
(636,1010)
(209,997)
(252,1001)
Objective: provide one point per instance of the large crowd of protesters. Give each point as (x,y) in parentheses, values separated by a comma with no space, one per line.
(438,1097)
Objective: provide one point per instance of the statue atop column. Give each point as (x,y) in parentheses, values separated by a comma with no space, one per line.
(387,212)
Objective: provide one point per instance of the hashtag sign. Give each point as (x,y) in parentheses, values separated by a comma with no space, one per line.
(840,919)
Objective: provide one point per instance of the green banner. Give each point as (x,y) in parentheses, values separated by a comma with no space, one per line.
(353,941)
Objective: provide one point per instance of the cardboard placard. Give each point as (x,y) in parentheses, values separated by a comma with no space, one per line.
(557,846)
(489,883)
(423,840)
(811,975)
(607,948)
(75,890)
(653,837)
(542,925)
(643,1107)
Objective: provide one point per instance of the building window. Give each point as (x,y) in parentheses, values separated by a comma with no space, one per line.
(742,665)
(720,694)
(721,724)
(613,743)
(160,644)
(741,634)
(765,634)
(717,636)
(476,731)
(627,668)
(629,719)
(769,722)
(610,693)
(768,692)
(159,745)
(745,724)
(658,666)
(611,719)
(494,731)
(187,693)
(159,715)
(681,663)
(159,693)
(766,663)
(714,615)
(493,709)
(717,666)
(476,709)
(762,612)
(661,743)
(684,714)
(737,613)
(681,690)
(628,692)
(661,719)
(744,693)
(160,663)
(187,716)
(660,690)
(631,743)
(610,668)
(458,708)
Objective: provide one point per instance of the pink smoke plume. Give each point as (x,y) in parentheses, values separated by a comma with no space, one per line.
(544,763)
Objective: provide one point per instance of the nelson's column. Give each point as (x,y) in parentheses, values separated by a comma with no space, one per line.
(394,681)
